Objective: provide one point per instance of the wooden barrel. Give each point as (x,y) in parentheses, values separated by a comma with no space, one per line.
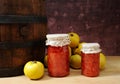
(23,27)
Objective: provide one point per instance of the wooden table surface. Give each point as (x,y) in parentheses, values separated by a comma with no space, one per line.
(110,75)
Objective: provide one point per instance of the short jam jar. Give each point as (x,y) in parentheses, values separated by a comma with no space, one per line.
(58,54)
(90,59)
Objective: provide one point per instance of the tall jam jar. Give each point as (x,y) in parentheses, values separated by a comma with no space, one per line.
(90,59)
(58,54)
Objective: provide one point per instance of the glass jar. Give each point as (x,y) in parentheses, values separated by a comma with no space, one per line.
(90,59)
(58,54)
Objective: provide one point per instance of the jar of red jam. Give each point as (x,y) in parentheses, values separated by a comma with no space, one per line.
(58,54)
(90,59)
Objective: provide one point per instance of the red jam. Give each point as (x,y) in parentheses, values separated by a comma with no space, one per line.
(90,64)
(58,61)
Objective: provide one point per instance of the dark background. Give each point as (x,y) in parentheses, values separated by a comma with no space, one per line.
(94,20)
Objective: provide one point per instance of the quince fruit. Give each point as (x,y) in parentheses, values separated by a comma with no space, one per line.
(74,38)
(102,61)
(75,61)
